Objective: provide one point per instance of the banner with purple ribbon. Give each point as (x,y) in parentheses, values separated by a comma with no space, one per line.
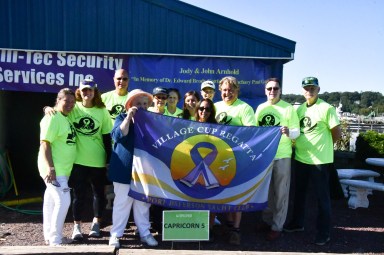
(185,164)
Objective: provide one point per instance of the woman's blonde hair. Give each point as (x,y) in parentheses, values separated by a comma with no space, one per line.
(231,81)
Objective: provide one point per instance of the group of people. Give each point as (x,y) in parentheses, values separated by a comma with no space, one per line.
(96,132)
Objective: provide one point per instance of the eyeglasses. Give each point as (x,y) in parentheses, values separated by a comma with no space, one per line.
(122,78)
(273,88)
(207,109)
(208,91)
(310,88)
(162,97)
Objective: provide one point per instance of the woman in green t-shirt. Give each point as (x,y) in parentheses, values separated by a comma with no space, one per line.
(55,160)
(191,98)
(93,125)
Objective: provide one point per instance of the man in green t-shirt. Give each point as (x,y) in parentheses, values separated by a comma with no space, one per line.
(276,112)
(320,129)
(115,100)
(233,111)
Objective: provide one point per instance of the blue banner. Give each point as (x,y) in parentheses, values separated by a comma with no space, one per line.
(187,73)
(185,164)
(41,71)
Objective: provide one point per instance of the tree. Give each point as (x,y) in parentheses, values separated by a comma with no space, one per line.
(361,103)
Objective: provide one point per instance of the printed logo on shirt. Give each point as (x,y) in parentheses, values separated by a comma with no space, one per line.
(223,118)
(71,138)
(269,120)
(86,126)
(306,125)
(116,110)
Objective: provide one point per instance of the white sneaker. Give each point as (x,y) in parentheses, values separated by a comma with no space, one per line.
(76,234)
(149,240)
(64,240)
(95,230)
(114,241)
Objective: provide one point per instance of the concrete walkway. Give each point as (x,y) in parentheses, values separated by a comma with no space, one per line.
(107,250)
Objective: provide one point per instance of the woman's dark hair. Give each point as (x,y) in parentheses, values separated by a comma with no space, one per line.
(212,115)
(97,102)
(186,114)
(62,93)
(176,91)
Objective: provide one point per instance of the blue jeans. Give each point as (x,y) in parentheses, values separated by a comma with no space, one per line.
(318,177)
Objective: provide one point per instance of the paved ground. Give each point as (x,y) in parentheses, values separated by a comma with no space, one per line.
(359,231)
(106,250)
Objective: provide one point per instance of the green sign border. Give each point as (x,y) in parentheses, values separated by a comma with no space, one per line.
(176,222)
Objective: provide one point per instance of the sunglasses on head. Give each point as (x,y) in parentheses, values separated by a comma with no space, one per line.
(161,97)
(90,83)
(122,78)
(207,109)
(272,88)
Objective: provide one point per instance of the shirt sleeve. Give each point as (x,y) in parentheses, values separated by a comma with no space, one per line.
(116,132)
(248,117)
(48,129)
(333,119)
(107,123)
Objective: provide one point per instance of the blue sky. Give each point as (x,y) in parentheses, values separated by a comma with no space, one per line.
(341,42)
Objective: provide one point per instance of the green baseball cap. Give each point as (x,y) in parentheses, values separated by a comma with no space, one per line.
(307,81)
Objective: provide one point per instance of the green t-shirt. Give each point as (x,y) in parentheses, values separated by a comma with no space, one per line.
(115,104)
(90,124)
(279,114)
(59,132)
(177,114)
(315,145)
(237,114)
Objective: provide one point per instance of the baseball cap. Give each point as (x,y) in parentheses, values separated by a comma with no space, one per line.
(87,83)
(159,90)
(208,84)
(307,81)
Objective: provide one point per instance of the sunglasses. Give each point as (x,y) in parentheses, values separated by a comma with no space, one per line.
(273,88)
(207,109)
(122,78)
(162,97)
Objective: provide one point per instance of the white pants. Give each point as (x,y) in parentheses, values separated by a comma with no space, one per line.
(121,209)
(55,208)
(278,197)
